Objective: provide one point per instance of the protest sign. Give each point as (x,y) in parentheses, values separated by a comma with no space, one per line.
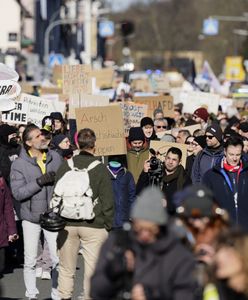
(83,100)
(107,123)
(76,79)
(50,90)
(132,114)
(155,102)
(35,109)
(162,148)
(57,75)
(193,100)
(225,103)
(142,85)
(18,115)
(26,87)
(161,85)
(104,77)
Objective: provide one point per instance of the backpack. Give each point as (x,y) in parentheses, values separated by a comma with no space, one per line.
(74,193)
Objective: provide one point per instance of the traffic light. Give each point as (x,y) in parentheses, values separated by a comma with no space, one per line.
(127,28)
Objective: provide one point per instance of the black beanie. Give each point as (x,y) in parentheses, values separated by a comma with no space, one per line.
(201,140)
(216,131)
(57,116)
(136,134)
(146,121)
(5,131)
(57,139)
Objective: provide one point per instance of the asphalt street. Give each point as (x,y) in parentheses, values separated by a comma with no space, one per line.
(12,284)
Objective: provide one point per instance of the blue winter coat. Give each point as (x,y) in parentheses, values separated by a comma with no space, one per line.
(124,195)
(219,182)
(204,161)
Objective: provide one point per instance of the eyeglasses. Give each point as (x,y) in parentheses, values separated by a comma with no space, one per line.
(161,127)
(189,143)
(209,137)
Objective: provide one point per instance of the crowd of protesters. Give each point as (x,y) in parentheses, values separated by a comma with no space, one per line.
(160,230)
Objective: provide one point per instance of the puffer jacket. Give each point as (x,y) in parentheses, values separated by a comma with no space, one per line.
(164,268)
(7,218)
(33,199)
(204,161)
(124,195)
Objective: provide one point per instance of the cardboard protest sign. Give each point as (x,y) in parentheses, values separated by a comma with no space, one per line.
(162,148)
(83,100)
(154,102)
(193,100)
(76,79)
(107,123)
(26,87)
(104,77)
(132,114)
(18,115)
(142,85)
(57,75)
(35,109)
(50,90)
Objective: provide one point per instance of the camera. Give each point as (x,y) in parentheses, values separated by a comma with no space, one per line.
(156,168)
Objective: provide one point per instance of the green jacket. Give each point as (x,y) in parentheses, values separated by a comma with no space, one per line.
(100,183)
(135,162)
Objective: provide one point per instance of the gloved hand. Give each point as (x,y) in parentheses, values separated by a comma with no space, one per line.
(45,179)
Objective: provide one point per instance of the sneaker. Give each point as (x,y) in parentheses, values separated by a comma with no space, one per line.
(46,275)
(38,272)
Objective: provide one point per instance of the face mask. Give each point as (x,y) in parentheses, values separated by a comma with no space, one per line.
(67,152)
(13,142)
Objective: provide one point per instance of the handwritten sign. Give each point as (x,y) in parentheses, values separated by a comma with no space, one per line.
(18,115)
(154,102)
(163,147)
(76,79)
(193,100)
(35,109)
(132,114)
(107,123)
(83,100)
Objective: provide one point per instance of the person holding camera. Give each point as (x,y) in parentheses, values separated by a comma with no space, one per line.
(146,263)
(172,178)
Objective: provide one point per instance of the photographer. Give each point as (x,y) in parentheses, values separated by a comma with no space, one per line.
(151,264)
(173,177)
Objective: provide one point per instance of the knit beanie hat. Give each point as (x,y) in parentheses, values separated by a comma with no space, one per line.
(146,121)
(201,113)
(216,131)
(136,134)
(57,116)
(57,139)
(201,140)
(148,207)
(196,201)
(244,126)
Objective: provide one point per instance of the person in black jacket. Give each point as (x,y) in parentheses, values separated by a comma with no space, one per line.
(148,262)
(228,180)
(173,179)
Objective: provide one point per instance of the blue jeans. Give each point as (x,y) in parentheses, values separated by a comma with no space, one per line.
(31,236)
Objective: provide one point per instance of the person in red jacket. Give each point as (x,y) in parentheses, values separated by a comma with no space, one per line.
(8,232)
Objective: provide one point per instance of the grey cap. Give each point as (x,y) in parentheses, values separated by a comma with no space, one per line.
(148,207)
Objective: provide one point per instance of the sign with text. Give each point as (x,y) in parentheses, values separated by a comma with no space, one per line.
(18,115)
(76,79)
(83,100)
(193,100)
(157,102)
(107,123)
(132,114)
(161,85)
(34,108)
(162,147)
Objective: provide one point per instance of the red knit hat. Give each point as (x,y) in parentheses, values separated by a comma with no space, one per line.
(201,113)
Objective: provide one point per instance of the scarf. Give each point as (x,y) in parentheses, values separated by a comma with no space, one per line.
(179,174)
(232,169)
